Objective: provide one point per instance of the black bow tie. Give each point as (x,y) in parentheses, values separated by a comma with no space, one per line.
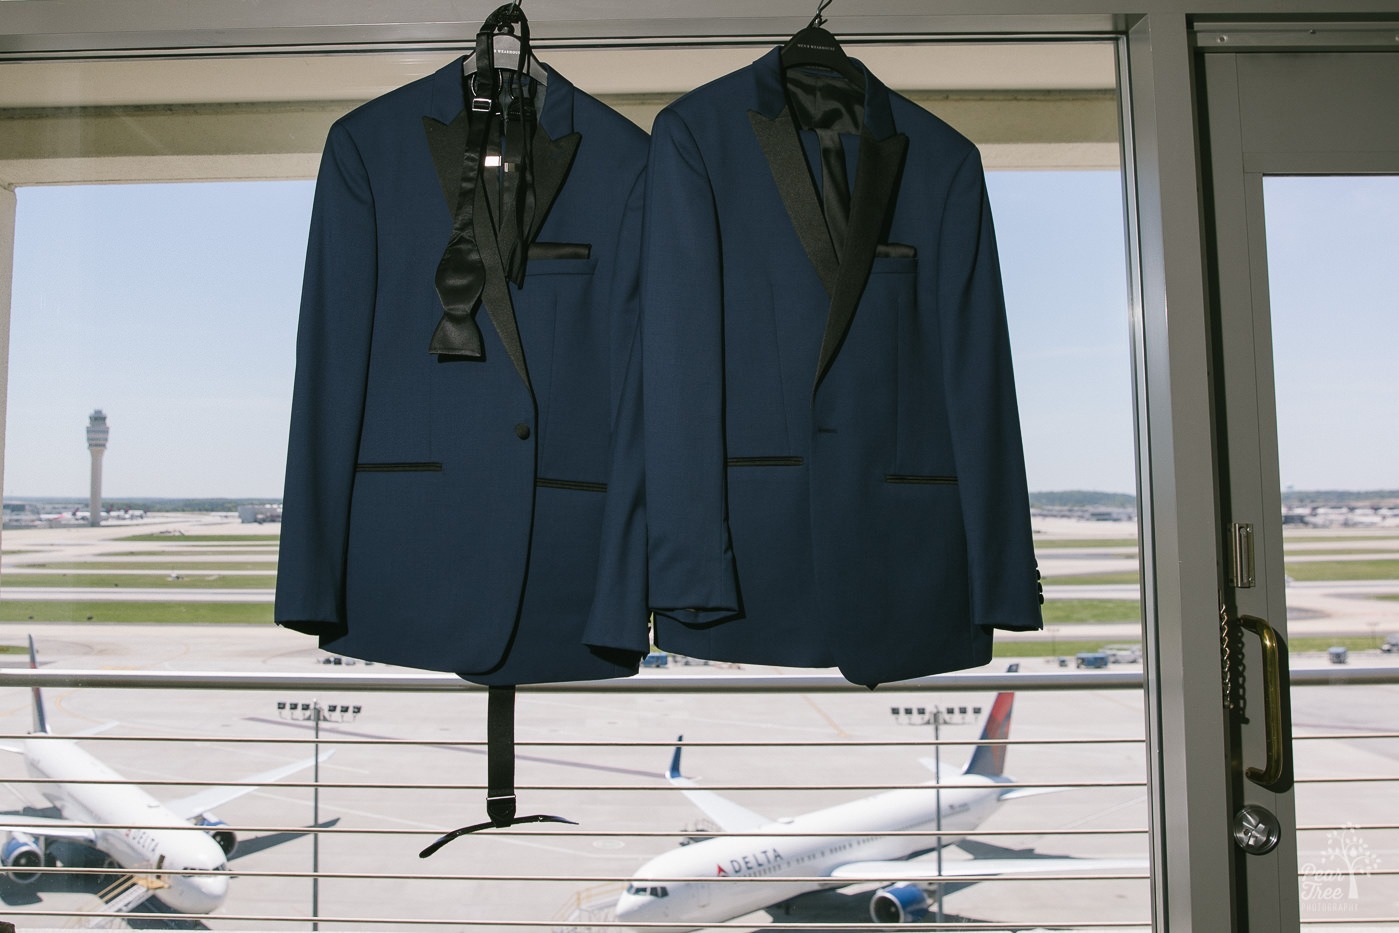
(496,105)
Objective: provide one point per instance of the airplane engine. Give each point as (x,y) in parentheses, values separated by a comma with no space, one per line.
(899,903)
(226,838)
(21,854)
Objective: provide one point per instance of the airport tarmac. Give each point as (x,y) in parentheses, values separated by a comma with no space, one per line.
(614,789)
(1343,608)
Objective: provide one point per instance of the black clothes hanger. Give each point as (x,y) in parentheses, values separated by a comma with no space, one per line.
(815,46)
(510,50)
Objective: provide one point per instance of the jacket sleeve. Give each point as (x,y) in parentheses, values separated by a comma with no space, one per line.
(985,423)
(619,613)
(692,573)
(332,356)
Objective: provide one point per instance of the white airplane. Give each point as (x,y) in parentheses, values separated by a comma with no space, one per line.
(176,837)
(698,883)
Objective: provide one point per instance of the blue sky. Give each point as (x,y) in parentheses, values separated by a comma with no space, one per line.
(1333,269)
(173,308)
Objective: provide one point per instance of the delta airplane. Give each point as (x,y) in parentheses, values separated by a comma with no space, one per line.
(176,837)
(694,883)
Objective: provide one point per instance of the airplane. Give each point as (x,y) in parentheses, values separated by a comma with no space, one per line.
(694,883)
(123,822)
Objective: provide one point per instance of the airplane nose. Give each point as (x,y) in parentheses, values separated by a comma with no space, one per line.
(197,894)
(626,906)
(632,907)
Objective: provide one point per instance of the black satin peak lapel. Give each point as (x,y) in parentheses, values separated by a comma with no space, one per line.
(495,293)
(778,138)
(876,180)
(552,160)
(445,141)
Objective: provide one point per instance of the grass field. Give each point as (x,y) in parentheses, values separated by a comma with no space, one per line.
(1069,611)
(1085,543)
(44,610)
(1009,647)
(1335,552)
(1344,570)
(191,581)
(1307,571)
(196,551)
(164,566)
(1094,579)
(1291,538)
(224,539)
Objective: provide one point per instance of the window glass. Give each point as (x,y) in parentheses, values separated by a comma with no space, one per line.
(171,309)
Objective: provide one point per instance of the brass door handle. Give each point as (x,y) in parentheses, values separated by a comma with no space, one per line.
(1276,775)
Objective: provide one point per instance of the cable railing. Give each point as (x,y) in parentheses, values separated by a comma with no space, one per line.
(362,856)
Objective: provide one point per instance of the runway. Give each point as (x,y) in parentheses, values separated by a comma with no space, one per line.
(613,787)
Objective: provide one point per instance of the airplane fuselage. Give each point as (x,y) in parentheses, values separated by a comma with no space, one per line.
(115,809)
(797,849)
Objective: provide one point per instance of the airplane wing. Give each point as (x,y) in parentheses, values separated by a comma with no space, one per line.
(927,869)
(46,826)
(210,797)
(731,817)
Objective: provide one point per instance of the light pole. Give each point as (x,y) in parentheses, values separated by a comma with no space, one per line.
(299,711)
(937,717)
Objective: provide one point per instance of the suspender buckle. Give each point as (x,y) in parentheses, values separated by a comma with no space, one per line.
(501,809)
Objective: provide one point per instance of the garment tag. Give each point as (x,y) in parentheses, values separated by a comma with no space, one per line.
(505,165)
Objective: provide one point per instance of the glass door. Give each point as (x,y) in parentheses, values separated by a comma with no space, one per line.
(1303,189)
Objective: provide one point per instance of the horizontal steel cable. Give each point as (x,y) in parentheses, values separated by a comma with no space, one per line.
(603,924)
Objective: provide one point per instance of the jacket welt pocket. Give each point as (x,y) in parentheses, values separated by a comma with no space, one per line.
(763,461)
(895,251)
(918,479)
(414,466)
(573,484)
(560,251)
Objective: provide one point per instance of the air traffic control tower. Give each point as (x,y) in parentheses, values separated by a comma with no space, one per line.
(97,431)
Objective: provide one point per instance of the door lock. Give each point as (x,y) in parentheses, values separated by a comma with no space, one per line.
(1256,830)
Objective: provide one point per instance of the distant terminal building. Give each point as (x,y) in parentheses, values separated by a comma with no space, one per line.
(261,514)
(1342,516)
(23,515)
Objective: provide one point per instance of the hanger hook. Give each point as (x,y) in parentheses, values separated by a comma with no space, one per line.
(817,21)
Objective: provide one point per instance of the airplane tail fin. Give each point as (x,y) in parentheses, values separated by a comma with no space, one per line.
(673,772)
(41,719)
(990,759)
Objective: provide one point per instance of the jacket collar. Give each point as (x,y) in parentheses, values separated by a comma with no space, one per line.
(771,94)
(446,101)
(878,169)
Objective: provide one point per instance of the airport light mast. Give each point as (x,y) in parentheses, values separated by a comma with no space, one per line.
(298,711)
(937,717)
(97,432)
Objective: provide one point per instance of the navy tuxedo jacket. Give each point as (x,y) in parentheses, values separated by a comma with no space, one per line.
(475,516)
(834,470)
